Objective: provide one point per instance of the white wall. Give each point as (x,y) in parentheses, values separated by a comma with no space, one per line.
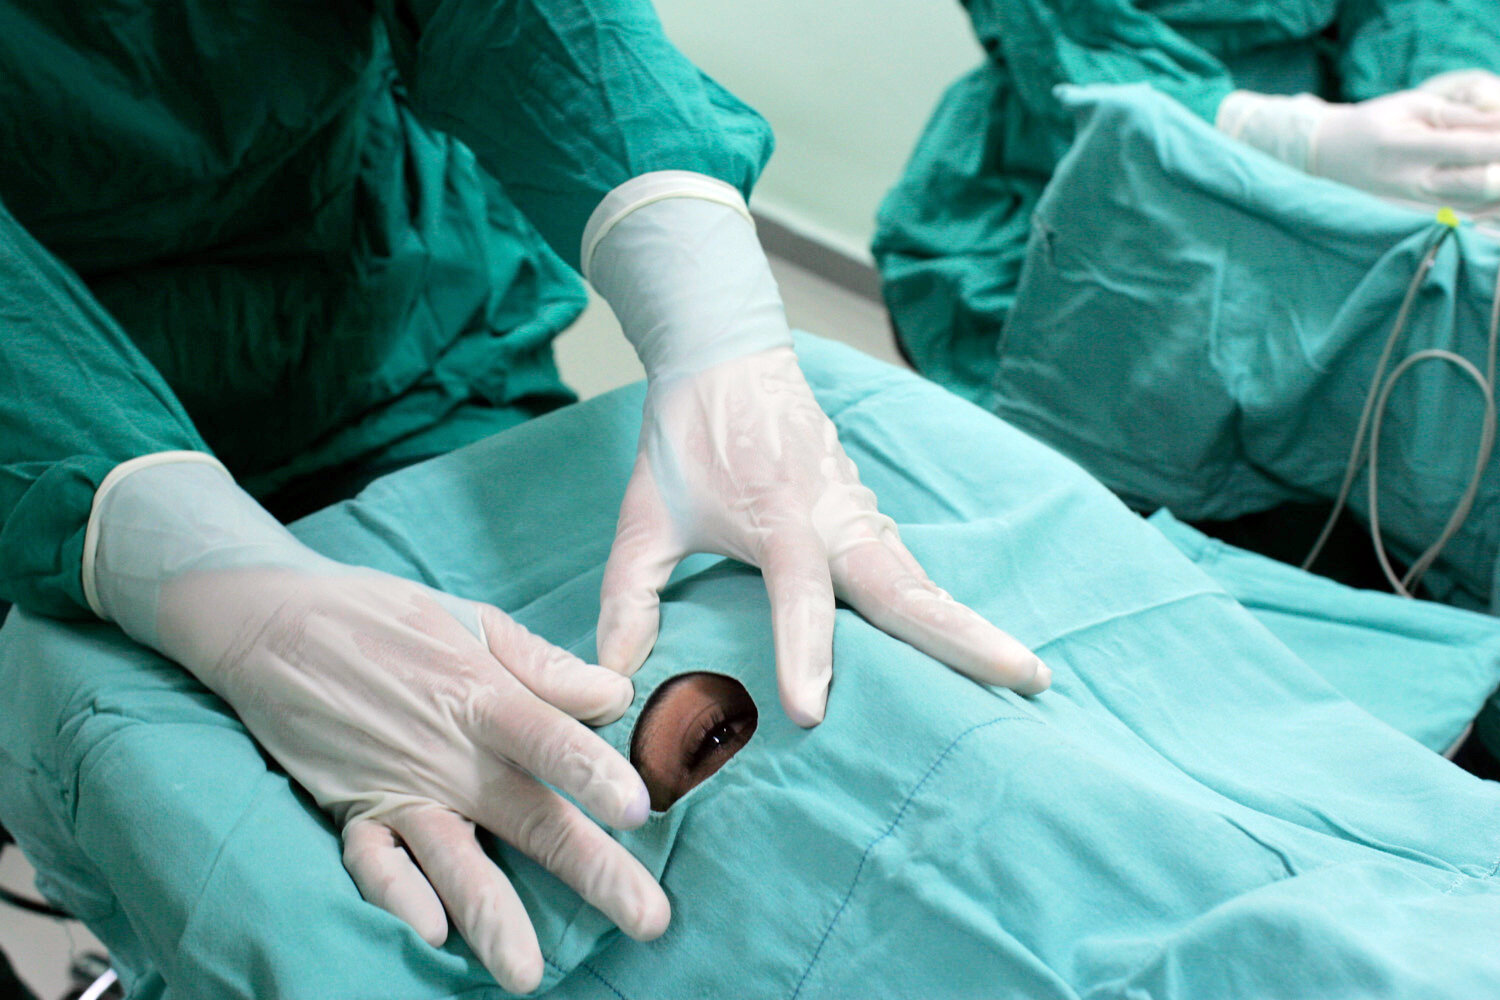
(847,85)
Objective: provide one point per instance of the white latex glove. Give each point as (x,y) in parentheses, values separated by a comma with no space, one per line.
(736,458)
(1412,145)
(1478,88)
(408,714)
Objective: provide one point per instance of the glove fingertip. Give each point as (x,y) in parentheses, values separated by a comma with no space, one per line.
(806,702)
(624,657)
(639,651)
(651,917)
(431,927)
(389,879)
(522,972)
(636,810)
(1039,681)
(620,700)
(629,618)
(624,646)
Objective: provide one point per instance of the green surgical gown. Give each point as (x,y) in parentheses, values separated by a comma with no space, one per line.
(315,239)
(951,235)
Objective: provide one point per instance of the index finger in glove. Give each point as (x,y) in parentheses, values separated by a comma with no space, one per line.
(563,752)
(641,560)
(585,691)
(885,584)
(794,563)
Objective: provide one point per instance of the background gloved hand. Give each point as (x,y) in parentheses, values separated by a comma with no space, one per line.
(408,714)
(737,458)
(1478,88)
(1437,146)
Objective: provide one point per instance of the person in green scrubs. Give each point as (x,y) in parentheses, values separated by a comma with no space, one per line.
(1398,97)
(254,254)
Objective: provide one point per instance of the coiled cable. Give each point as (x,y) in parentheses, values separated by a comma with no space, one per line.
(1372,417)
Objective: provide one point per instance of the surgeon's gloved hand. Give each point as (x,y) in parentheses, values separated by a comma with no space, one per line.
(1413,145)
(1478,88)
(408,714)
(737,458)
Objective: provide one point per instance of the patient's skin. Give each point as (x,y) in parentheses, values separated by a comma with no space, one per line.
(689,729)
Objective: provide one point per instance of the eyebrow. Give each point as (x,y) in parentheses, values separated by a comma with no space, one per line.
(650,720)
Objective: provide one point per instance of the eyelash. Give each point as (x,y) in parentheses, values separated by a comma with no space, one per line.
(704,745)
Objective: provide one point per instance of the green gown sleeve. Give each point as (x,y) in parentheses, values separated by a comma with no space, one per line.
(76,399)
(1389,45)
(1046,43)
(564,100)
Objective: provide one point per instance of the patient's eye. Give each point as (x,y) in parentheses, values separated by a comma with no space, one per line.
(689,729)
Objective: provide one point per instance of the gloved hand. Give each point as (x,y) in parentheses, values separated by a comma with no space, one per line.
(737,458)
(1413,145)
(1478,88)
(408,714)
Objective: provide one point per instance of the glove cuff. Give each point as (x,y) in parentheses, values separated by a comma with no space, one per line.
(160,515)
(647,189)
(115,477)
(1284,127)
(676,257)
